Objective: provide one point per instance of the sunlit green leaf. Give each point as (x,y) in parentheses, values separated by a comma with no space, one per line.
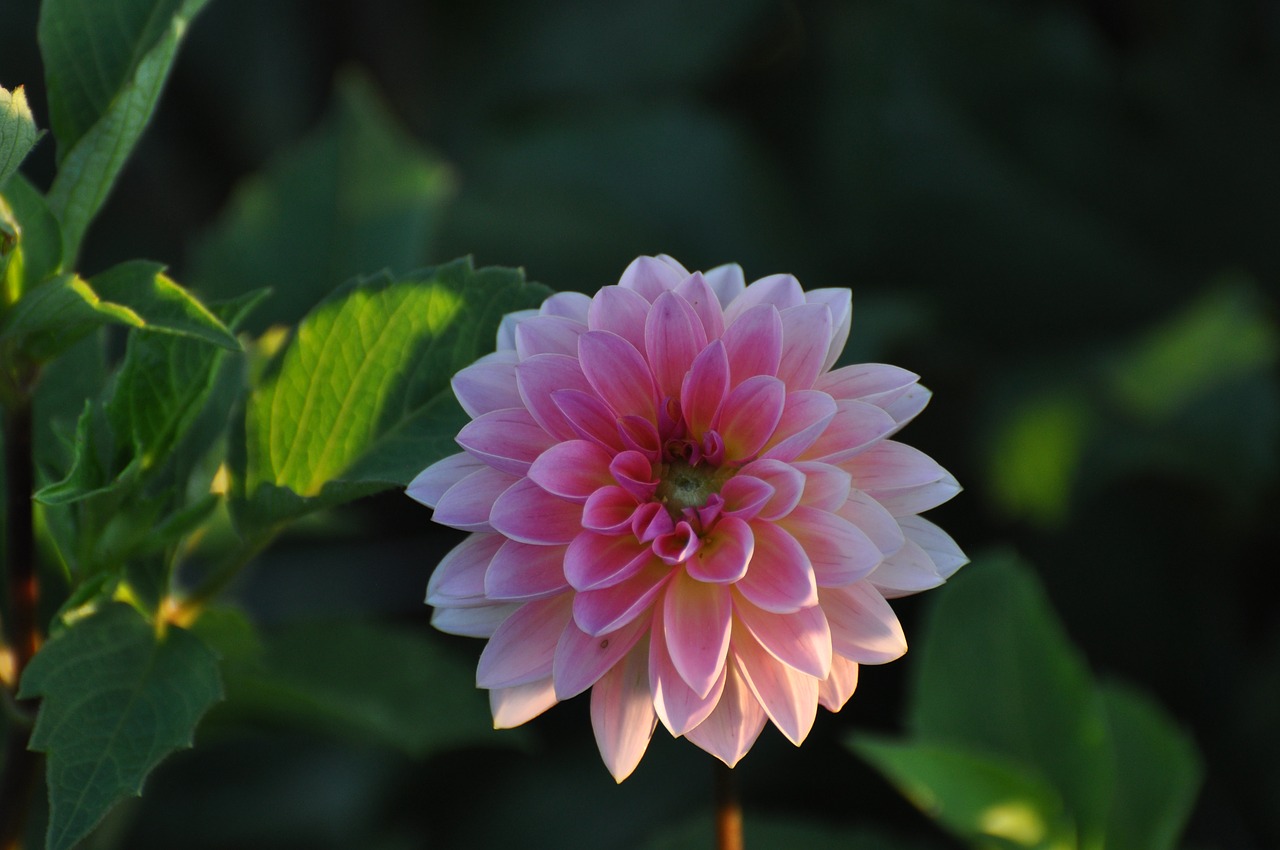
(105,65)
(390,685)
(1036,453)
(356,196)
(18,132)
(359,400)
(117,699)
(996,674)
(979,797)
(1157,772)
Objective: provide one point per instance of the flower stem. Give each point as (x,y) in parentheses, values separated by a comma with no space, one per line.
(728,809)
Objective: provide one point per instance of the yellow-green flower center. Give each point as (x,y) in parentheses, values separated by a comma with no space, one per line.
(683,486)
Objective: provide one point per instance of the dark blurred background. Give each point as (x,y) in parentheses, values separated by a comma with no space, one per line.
(1063,214)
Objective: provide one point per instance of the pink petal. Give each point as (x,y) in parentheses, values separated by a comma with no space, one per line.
(840,303)
(839,551)
(826,487)
(598,612)
(806,335)
(570,305)
(458,579)
(835,690)
(877,523)
(936,543)
(907,571)
(907,406)
(702,298)
(472,622)
(753,344)
(589,417)
(856,426)
(507,439)
(902,479)
(800,639)
(677,545)
(432,482)
(522,648)
(704,389)
(863,626)
(778,290)
(640,434)
(914,500)
(727,282)
(779,577)
(673,337)
(622,714)
(507,328)
(521,572)
(678,706)
(620,311)
(789,697)
(697,618)
(618,373)
(609,510)
(634,473)
(527,513)
(488,384)
(517,705)
(538,378)
(581,659)
(724,554)
(597,560)
(467,504)
(749,415)
(787,483)
(548,335)
(745,496)
(805,416)
(734,725)
(572,470)
(651,277)
(875,383)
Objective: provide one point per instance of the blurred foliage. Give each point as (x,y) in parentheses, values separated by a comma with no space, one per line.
(1060,212)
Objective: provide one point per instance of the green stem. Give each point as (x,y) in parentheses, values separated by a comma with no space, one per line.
(728,809)
(218,578)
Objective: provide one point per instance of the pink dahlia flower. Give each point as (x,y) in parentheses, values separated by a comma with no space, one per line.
(677,504)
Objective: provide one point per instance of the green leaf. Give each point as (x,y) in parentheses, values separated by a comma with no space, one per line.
(105,65)
(18,132)
(359,400)
(1157,772)
(117,699)
(357,195)
(392,686)
(58,313)
(39,239)
(996,674)
(93,469)
(985,800)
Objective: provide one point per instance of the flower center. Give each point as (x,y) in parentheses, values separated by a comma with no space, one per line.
(682,486)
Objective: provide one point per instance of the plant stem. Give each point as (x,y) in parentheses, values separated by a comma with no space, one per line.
(218,579)
(728,809)
(22,634)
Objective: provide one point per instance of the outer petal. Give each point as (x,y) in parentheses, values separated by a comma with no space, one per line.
(594,560)
(467,504)
(826,487)
(507,328)
(572,470)
(622,713)
(876,522)
(855,427)
(618,373)
(472,622)
(839,551)
(527,513)
(651,276)
(727,282)
(599,612)
(875,383)
(863,626)
(570,305)
(521,572)
(621,311)
(507,439)
(891,469)
(679,707)
(458,580)
(522,648)
(514,706)
(548,335)
(789,697)
(696,290)
(840,303)
(806,335)
(673,337)
(779,290)
(541,375)
(581,659)
(488,384)
(907,571)
(753,343)
(835,690)
(731,729)
(780,577)
(432,482)
(805,416)
(936,543)
(697,617)
(749,416)
(801,639)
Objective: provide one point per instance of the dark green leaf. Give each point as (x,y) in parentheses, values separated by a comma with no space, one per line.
(39,241)
(162,304)
(1157,772)
(393,686)
(356,196)
(359,400)
(93,471)
(117,699)
(18,132)
(977,796)
(105,65)
(996,674)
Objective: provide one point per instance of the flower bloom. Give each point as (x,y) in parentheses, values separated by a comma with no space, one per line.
(677,503)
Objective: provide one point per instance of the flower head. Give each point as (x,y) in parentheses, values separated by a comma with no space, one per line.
(678,504)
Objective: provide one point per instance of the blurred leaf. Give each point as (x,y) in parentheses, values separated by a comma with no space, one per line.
(93,470)
(1035,455)
(18,132)
(105,65)
(392,686)
(162,304)
(39,243)
(359,400)
(117,699)
(356,196)
(977,796)
(1157,772)
(997,675)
